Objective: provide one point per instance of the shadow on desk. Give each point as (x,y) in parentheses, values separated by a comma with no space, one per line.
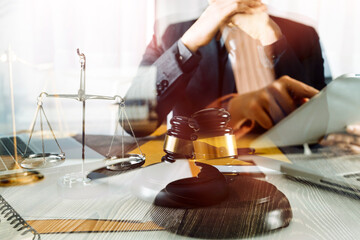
(101,143)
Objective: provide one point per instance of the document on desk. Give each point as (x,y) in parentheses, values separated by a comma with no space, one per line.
(114,204)
(335,107)
(12,225)
(109,199)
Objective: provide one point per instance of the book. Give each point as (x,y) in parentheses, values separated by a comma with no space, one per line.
(12,225)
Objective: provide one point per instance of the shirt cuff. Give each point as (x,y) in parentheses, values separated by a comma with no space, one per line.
(186,58)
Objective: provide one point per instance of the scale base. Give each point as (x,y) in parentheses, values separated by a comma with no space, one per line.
(20,178)
(77,186)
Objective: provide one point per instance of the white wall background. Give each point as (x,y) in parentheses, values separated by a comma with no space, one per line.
(113,34)
(46,33)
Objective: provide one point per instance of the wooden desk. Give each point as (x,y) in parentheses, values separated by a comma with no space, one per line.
(110,210)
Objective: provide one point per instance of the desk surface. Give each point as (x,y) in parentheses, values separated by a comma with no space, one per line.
(113,208)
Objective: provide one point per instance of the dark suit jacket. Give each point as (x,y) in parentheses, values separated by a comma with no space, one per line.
(186,88)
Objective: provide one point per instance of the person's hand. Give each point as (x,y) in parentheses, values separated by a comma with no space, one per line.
(269,105)
(348,141)
(218,12)
(259,26)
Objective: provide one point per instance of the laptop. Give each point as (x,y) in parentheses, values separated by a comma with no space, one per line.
(323,167)
(71,148)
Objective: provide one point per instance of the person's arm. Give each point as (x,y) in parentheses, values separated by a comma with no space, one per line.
(269,105)
(175,67)
(218,13)
(176,64)
(258,26)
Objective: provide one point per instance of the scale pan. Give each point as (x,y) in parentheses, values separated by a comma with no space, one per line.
(42,160)
(125,162)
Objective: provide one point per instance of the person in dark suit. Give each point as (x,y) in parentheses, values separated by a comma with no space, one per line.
(193,69)
(192,74)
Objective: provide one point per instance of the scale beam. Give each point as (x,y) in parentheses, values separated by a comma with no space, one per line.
(114,163)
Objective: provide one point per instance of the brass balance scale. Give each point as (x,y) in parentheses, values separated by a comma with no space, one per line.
(31,161)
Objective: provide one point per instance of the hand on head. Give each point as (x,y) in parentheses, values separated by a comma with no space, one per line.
(269,105)
(258,25)
(218,13)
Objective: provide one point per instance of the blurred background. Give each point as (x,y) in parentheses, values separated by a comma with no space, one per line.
(41,37)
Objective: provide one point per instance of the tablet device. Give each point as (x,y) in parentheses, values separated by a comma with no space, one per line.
(331,110)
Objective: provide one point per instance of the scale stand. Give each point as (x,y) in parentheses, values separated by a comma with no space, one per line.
(43,159)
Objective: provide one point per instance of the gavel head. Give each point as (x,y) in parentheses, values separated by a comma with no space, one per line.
(211,122)
(214,138)
(178,140)
(180,128)
(203,136)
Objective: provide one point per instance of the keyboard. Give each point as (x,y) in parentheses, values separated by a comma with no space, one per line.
(7,152)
